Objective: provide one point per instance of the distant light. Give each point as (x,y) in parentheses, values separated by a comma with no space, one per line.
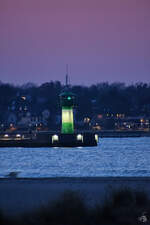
(86,120)
(79,137)
(147,122)
(100,116)
(69,98)
(6,135)
(23,97)
(97,127)
(96,137)
(18,135)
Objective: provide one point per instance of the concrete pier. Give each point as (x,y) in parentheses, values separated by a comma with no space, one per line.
(19,195)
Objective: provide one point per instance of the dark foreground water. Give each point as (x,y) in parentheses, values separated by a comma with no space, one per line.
(112,157)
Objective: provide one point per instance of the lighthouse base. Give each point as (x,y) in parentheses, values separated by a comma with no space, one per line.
(76,140)
(49,139)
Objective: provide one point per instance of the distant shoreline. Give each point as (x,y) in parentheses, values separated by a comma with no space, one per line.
(101,133)
(42,138)
(123,133)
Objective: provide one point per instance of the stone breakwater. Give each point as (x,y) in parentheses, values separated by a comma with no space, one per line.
(19,195)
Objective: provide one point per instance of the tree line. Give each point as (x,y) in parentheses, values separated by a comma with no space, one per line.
(101,98)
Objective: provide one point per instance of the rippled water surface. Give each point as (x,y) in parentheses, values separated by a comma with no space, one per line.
(112,157)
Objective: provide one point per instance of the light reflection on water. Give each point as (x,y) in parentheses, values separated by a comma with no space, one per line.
(112,157)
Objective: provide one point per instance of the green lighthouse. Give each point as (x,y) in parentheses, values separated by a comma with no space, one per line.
(67,100)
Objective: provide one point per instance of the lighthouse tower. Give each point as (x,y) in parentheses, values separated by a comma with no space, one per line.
(67,100)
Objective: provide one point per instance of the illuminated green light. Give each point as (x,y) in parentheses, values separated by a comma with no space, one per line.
(69,98)
(67,121)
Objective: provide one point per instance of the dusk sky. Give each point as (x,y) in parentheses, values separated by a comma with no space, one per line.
(101,40)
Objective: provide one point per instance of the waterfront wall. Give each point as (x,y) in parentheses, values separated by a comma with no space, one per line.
(23,195)
(123,133)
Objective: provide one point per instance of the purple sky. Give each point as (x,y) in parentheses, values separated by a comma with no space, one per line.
(101,40)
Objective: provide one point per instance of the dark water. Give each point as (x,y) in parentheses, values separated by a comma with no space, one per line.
(112,157)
